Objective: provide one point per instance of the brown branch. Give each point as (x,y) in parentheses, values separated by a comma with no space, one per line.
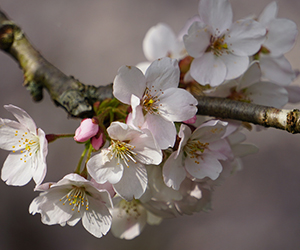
(75,97)
(288,120)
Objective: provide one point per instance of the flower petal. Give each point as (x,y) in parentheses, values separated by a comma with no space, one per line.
(245,37)
(208,69)
(235,65)
(177,105)
(162,74)
(22,117)
(129,80)
(173,171)
(217,14)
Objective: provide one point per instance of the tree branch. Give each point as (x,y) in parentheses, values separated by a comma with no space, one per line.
(77,98)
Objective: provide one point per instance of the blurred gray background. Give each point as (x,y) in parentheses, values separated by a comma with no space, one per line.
(258,208)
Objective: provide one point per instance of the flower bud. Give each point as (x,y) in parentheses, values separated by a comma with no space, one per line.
(87,129)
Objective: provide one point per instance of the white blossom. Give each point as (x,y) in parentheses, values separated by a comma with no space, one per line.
(71,199)
(28,146)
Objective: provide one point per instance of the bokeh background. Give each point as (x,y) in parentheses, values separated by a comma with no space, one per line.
(257,208)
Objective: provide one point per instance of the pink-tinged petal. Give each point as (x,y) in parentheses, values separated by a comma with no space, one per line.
(251,76)
(105,186)
(97,220)
(22,117)
(204,166)
(173,171)
(268,14)
(163,131)
(235,65)
(136,117)
(129,80)
(148,152)
(217,14)
(245,37)
(191,120)
(281,36)
(177,105)
(208,69)
(16,171)
(163,74)
(159,42)
(197,40)
(97,142)
(133,182)
(122,132)
(277,69)
(128,223)
(209,132)
(184,134)
(87,129)
(294,93)
(268,94)
(221,150)
(103,169)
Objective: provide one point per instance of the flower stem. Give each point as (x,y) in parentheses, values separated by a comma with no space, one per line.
(77,170)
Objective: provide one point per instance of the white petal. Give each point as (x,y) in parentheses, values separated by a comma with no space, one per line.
(204,166)
(159,42)
(208,69)
(216,13)
(136,117)
(235,65)
(163,131)
(102,169)
(245,37)
(269,13)
(15,170)
(197,40)
(294,93)
(22,117)
(209,132)
(281,36)
(251,76)
(97,220)
(268,94)
(277,69)
(173,171)
(128,224)
(177,105)
(133,182)
(148,152)
(163,74)
(129,80)
(10,132)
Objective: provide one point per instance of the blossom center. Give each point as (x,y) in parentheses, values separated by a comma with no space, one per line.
(76,198)
(123,151)
(151,100)
(28,144)
(131,208)
(218,45)
(194,149)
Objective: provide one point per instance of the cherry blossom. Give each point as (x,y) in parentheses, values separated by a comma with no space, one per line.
(250,88)
(28,146)
(122,164)
(221,48)
(199,153)
(157,94)
(71,199)
(280,38)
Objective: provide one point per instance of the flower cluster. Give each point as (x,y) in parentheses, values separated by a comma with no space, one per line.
(148,156)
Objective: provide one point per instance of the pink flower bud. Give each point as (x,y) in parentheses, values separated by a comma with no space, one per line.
(191,121)
(97,141)
(87,129)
